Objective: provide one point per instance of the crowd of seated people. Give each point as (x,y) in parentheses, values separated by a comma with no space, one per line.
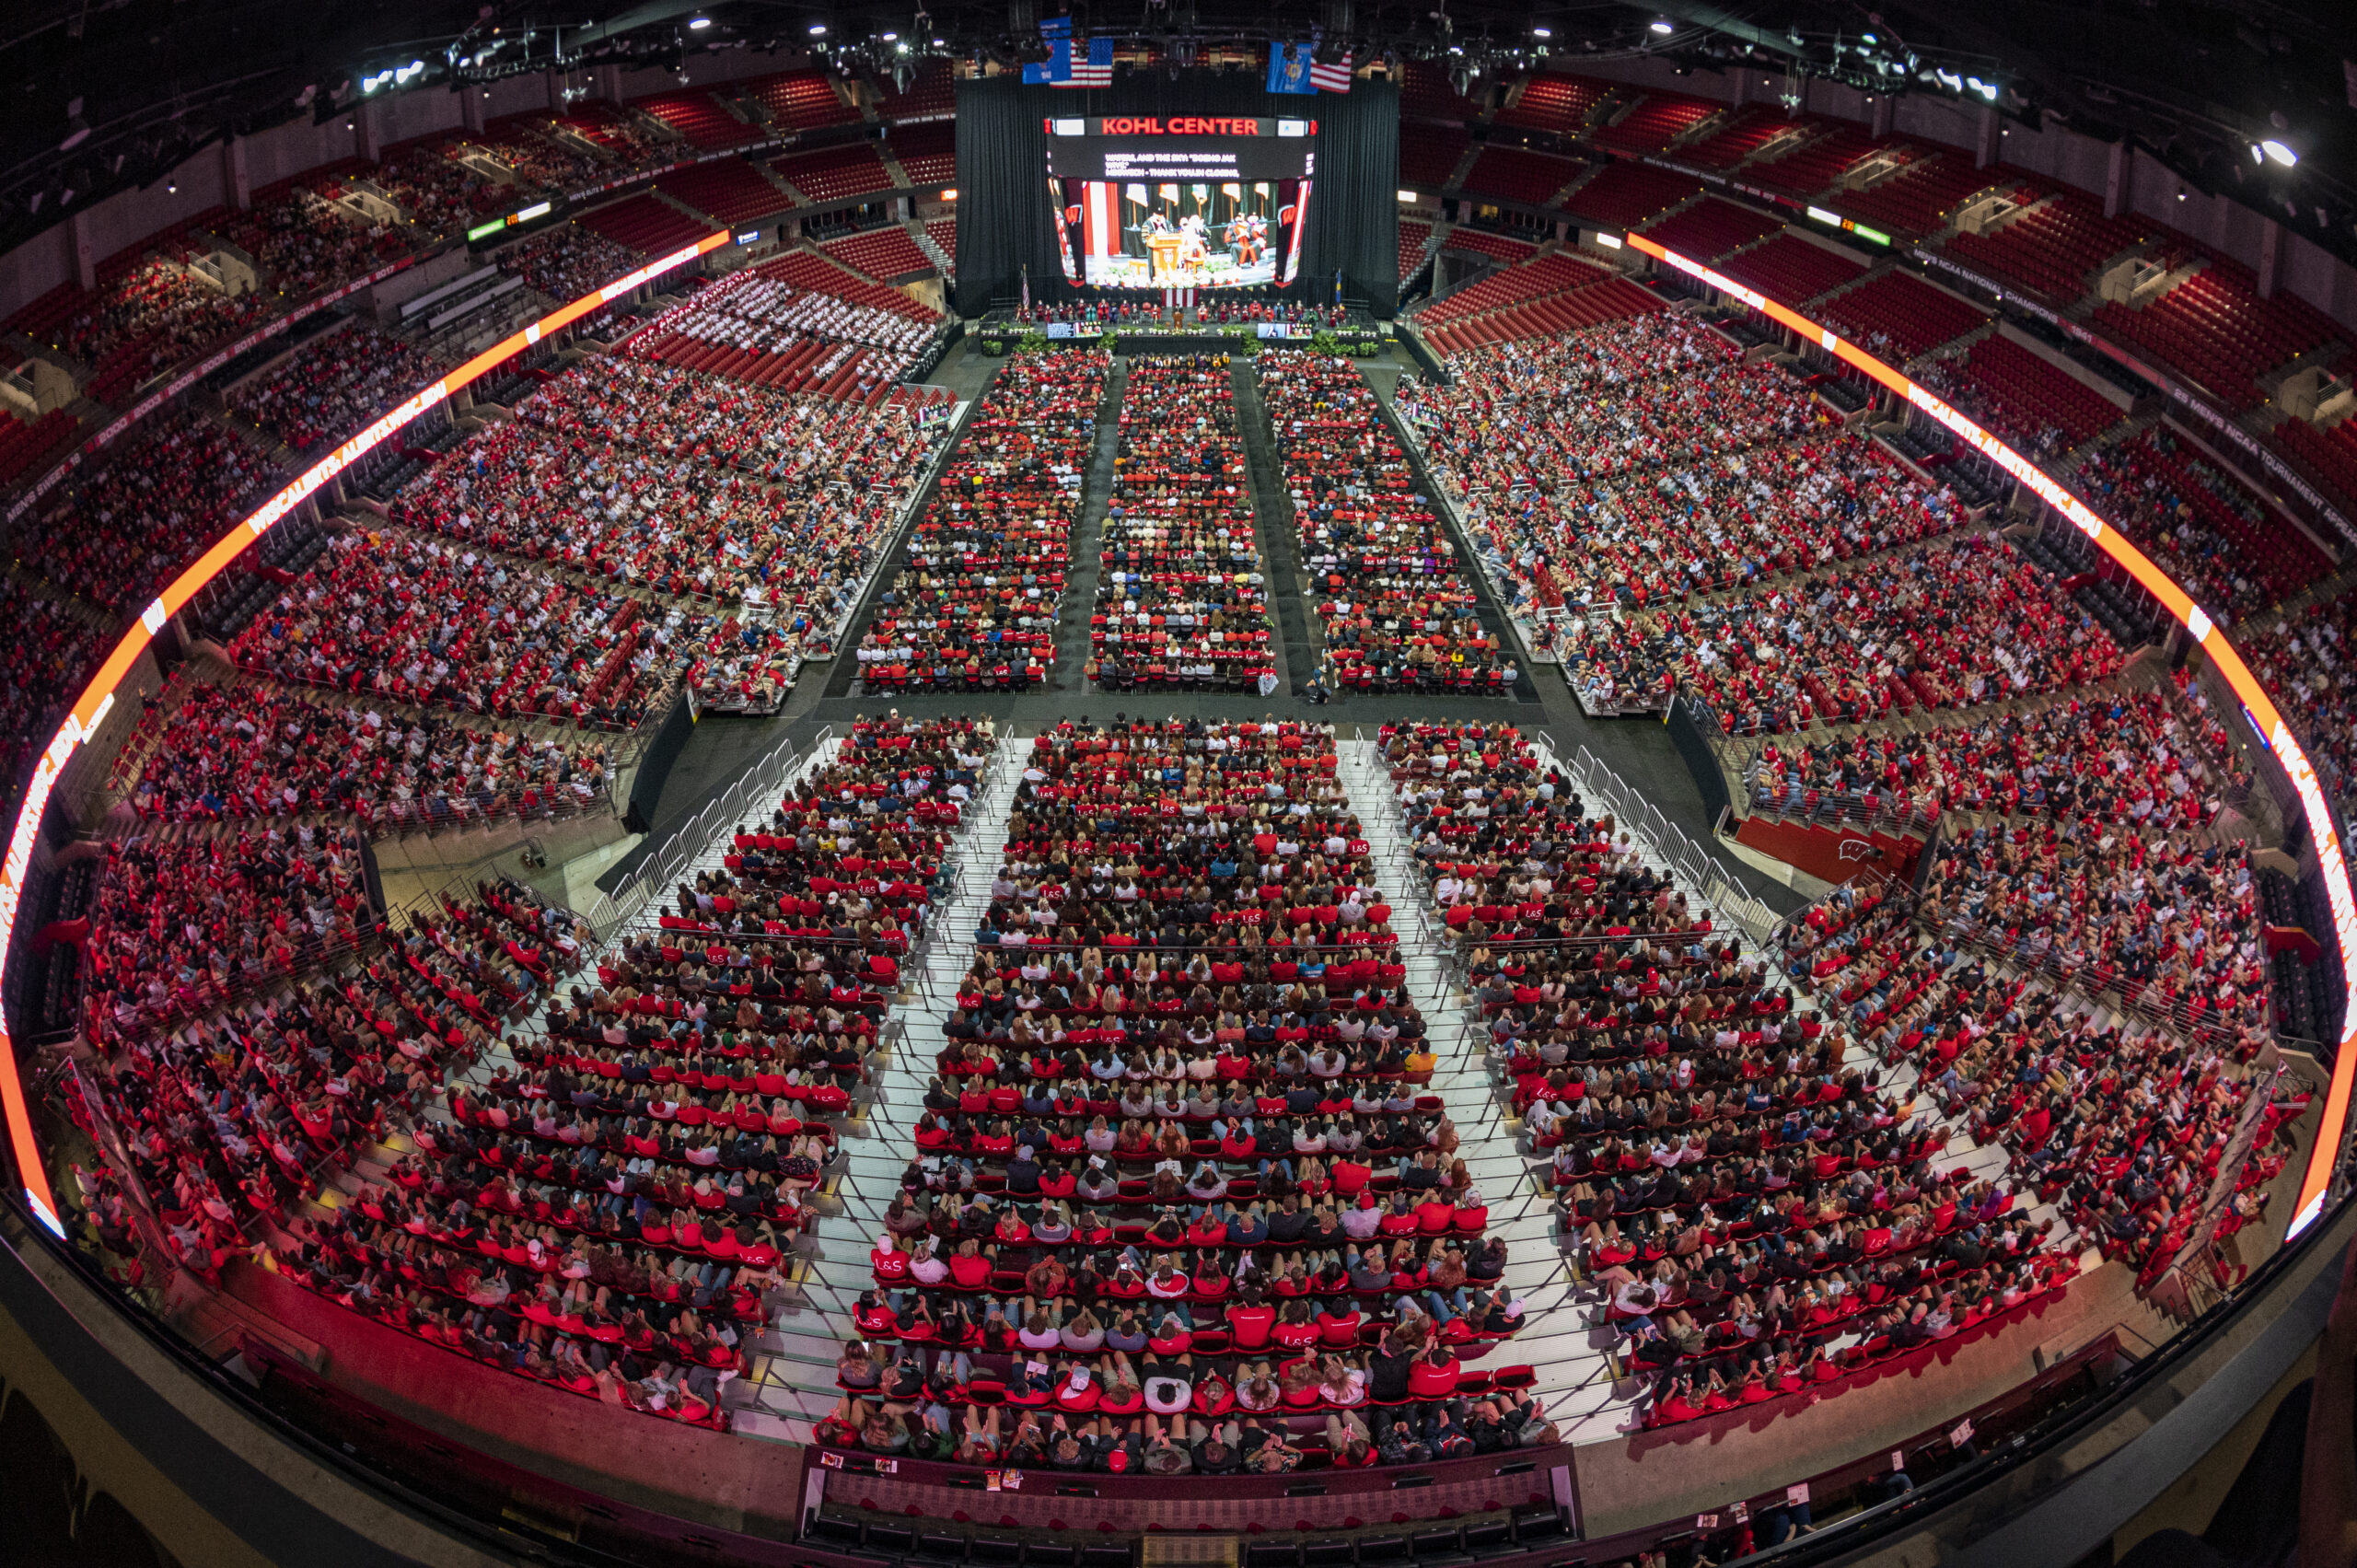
(565,264)
(1468,795)
(435,191)
(2137,758)
(44,666)
(1205,784)
(331,388)
(820,874)
(302,242)
(233,1116)
(2123,1128)
(152,315)
(750,324)
(1176,1165)
(1950,625)
(1183,596)
(1643,461)
(1283,1326)
(2033,434)
(417,621)
(1143,308)
(2306,661)
(973,606)
(654,477)
(605,1216)
(179,926)
(1730,1174)
(558,1225)
(2150,910)
(576,1218)
(2199,524)
(239,752)
(499,1255)
(138,515)
(1391,596)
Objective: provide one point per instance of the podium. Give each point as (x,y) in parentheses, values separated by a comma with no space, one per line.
(1165,249)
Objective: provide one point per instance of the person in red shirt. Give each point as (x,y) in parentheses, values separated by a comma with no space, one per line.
(1433,1377)
(889,1264)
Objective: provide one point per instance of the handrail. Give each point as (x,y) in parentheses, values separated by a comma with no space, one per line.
(669,855)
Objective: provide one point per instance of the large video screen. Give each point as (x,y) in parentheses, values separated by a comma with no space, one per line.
(1181,200)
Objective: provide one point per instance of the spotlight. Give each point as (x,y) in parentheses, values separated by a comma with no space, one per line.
(1543,32)
(697,24)
(2181,192)
(818,30)
(889,37)
(2278,152)
(1665,27)
(1868,38)
(171,187)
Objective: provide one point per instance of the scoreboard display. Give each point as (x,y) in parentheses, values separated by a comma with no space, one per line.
(1180,201)
(1122,147)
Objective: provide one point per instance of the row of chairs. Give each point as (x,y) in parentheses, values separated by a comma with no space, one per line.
(1444,1545)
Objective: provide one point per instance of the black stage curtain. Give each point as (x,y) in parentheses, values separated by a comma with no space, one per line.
(1004,223)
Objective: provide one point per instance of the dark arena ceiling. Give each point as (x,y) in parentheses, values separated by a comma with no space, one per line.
(106,94)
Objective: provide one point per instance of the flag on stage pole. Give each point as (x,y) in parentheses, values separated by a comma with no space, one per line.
(1289,68)
(1027,285)
(1334,78)
(1169,192)
(1139,194)
(1233,190)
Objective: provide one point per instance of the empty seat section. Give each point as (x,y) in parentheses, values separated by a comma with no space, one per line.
(1899,316)
(882,253)
(928,154)
(1519,176)
(1625,195)
(1658,120)
(1428,159)
(1789,268)
(1710,228)
(2215,328)
(835,173)
(699,117)
(801,100)
(645,224)
(729,192)
(1922,198)
(2054,248)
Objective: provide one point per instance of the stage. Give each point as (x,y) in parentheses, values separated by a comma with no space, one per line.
(999,332)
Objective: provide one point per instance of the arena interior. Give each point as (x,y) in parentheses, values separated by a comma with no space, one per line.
(1286,787)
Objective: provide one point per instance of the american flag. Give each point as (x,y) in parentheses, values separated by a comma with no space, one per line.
(1097,71)
(1334,78)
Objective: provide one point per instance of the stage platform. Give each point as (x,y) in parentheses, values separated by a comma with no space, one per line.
(999,332)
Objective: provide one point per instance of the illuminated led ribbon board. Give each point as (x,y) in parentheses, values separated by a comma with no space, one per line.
(2263,713)
(91,707)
